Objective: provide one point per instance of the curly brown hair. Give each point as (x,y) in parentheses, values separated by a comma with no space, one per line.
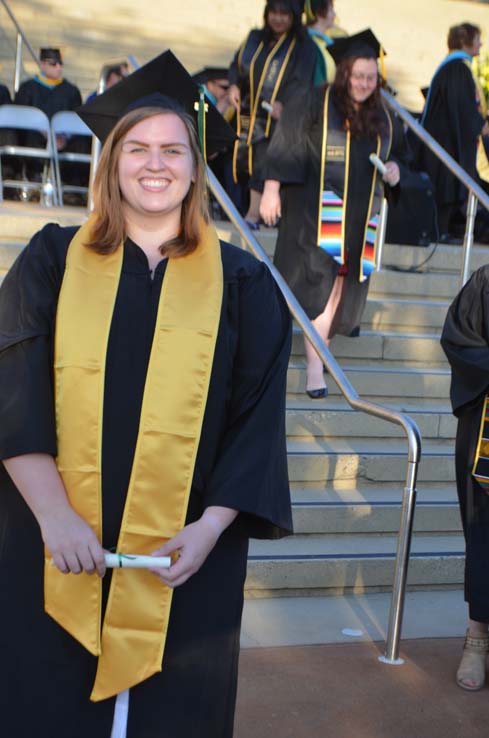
(369,118)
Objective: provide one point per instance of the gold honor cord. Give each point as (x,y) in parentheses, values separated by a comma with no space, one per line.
(278,83)
(372,193)
(345,191)
(323,161)
(177,381)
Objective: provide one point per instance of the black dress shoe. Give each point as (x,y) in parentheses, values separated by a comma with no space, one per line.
(317,394)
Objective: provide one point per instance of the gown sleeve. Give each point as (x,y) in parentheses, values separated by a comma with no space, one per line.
(465,341)
(250,473)
(287,154)
(28,298)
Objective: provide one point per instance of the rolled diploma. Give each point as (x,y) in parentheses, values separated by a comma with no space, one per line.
(266,106)
(378,163)
(130,561)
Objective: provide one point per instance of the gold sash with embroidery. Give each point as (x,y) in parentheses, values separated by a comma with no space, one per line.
(131,645)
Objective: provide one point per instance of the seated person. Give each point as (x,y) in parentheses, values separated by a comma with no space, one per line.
(113,74)
(49,92)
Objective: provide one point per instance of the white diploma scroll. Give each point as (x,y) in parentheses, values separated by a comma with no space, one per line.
(266,106)
(378,163)
(130,561)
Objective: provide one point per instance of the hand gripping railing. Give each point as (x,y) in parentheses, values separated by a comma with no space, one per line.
(475,192)
(21,37)
(391,655)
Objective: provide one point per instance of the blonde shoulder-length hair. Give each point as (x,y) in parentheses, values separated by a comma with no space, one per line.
(109,228)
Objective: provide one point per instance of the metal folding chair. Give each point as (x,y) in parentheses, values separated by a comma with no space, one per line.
(27,118)
(67,122)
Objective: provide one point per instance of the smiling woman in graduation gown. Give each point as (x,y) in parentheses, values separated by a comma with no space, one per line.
(48,676)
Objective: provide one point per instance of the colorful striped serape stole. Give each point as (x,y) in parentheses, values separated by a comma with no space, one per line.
(331,233)
(368,254)
(331,237)
(480,471)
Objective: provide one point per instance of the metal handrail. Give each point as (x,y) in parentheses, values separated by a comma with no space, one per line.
(391,655)
(21,38)
(475,191)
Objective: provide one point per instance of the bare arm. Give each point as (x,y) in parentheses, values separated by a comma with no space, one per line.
(71,542)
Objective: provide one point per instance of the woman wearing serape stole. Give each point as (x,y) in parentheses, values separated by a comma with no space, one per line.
(465,340)
(142,407)
(331,192)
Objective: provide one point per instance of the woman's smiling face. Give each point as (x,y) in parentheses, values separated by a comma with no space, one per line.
(156,167)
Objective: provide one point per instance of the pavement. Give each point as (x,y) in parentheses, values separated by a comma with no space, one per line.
(309,668)
(343,691)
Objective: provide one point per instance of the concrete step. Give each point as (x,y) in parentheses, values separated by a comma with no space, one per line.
(443,258)
(386,345)
(335,418)
(368,460)
(19,221)
(392,381)
(405,315)
(336,563)
(305,620)
(374,509)
(436,284)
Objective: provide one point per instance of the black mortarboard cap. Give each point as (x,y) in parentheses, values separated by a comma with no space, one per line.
(163,82)
(209,73)
(363,44)
(50,54)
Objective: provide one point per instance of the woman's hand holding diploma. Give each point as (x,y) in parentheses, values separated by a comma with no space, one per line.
(193,545)
(73,545)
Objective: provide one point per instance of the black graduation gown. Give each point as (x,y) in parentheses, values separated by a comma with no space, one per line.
(46,676)
(465,340)
(298,76)
(50,100)
(293,159)
(454,120)
(5,98)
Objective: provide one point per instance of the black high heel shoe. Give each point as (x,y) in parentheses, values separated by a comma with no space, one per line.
(317,394)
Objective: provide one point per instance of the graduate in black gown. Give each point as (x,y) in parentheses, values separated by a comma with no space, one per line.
(452,114)
(142,407)
(465,340)
(50,92)
(272,66)
(320,181)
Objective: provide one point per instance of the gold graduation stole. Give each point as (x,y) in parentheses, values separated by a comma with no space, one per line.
(480,469)
(131,645)
(332,208)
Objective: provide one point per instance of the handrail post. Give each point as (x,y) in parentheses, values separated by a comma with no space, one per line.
(18,63)
(469,237)
(391,655)
(382,230)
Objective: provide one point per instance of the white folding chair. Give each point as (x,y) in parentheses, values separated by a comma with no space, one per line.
(70,124)
(27,118)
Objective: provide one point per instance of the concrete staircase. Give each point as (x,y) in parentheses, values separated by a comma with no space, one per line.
(347,469)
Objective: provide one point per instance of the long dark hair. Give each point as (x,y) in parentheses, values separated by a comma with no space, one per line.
(289,6)
(369,119)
